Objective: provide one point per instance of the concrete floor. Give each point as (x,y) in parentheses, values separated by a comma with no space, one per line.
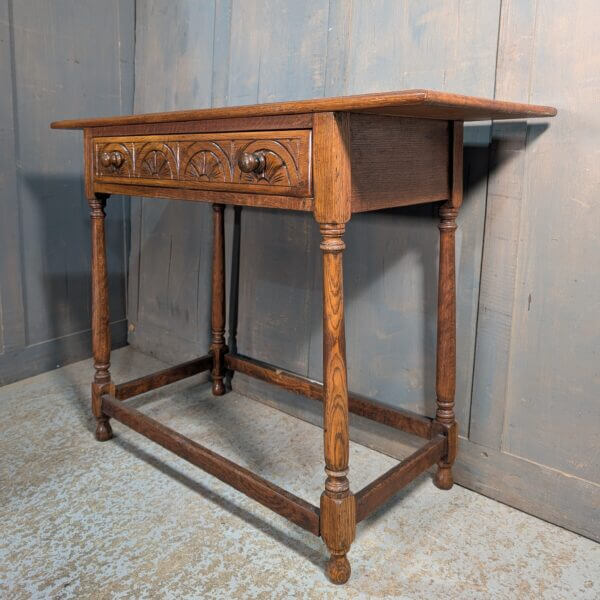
(127,519)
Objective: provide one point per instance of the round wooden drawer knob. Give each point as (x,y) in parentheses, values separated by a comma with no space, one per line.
(114,159)
(251,162)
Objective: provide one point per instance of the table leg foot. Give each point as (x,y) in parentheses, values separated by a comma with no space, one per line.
(338,568)
(443,477)
(218,387)
(103,429)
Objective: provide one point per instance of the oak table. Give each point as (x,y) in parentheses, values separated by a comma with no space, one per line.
(333,157)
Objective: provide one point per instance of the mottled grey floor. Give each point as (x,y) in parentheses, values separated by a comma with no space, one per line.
(127,519)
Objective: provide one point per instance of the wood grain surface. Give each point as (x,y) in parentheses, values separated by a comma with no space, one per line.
(365,407)
(144,384)
(409,103)
(100,317)
(397,161)
(374,495)
(218,300)
(332,168)
(338,508)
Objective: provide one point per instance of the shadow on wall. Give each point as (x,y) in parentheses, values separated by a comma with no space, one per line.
(383,317)
(56,264)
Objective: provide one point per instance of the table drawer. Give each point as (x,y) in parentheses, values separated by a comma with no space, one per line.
(265,162)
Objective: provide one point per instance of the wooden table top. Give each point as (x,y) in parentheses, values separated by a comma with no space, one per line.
(409,103)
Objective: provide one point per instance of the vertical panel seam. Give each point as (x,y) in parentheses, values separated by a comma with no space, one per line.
(485,219)
(533,42)
(17,151)
(500,7)
(125,229)
(212,58)
(505,414)
(139,203)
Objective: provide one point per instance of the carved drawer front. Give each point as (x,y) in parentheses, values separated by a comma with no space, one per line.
(265,162)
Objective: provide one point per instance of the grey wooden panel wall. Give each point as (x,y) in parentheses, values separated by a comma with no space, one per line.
(57,60)
(528,376)
(168,301)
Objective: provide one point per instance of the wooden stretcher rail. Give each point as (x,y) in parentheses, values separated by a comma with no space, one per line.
(288,505)
(161,378)
(372,496)
(392,417)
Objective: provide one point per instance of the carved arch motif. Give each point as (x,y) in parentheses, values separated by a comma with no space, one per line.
(280,169)
(156,160)
(126,168)
(205,161)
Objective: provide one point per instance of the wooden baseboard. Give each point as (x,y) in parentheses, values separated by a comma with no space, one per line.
(46,356)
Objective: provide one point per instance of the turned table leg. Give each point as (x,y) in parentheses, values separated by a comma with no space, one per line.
(446,344)
(100,322)
(218,347)
(338,509)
